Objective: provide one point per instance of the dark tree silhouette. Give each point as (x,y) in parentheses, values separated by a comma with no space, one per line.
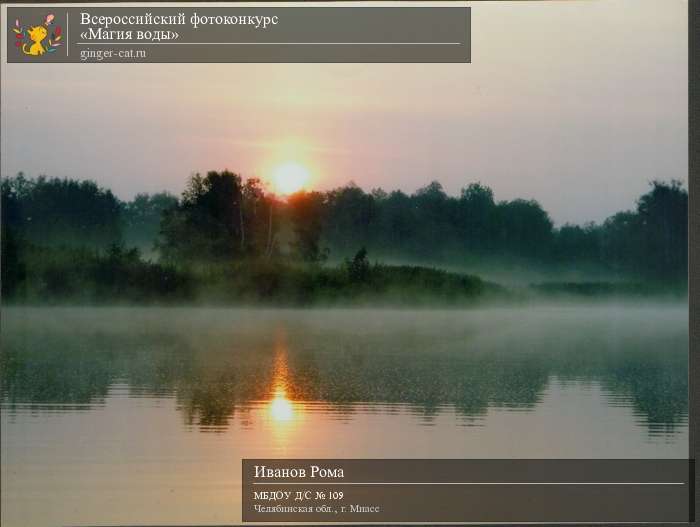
(663,224)
(55,212)
(61,235)
(207,224)
(306,211)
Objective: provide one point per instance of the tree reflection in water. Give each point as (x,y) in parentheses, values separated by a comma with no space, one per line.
(218,362)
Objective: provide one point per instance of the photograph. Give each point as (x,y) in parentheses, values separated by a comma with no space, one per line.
(205,263)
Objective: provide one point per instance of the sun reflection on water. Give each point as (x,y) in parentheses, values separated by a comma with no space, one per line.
(280,408)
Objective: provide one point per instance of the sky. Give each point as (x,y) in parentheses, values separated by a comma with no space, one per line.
(577,104)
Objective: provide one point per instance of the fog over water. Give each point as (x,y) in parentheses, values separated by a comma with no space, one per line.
(142,415)
(471,359)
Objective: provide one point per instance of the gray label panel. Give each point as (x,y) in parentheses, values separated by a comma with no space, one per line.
(463,490)
(233,34)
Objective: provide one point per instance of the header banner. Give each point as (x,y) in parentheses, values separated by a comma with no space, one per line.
(238,34)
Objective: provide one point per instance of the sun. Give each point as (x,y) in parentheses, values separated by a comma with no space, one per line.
(289,178)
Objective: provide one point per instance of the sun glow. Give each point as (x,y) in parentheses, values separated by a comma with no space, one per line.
(289,178)
(281,408)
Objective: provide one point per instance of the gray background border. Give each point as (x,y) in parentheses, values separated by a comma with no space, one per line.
(693,236)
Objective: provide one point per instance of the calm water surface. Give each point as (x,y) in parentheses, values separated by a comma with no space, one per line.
(136,416)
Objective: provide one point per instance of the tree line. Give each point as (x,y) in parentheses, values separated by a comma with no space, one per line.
(222,219)
(648,242)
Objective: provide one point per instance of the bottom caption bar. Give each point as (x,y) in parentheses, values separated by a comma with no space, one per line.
(465,491)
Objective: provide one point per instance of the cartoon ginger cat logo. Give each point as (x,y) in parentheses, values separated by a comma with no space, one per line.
(37,35)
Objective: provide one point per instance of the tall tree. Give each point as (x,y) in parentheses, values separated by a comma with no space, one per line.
(477,218)
(207,224)
(525,229)
(259,224)
(65,212)
(663,224)
(306,210)
(350,214)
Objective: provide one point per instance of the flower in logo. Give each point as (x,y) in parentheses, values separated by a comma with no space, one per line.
(31,40)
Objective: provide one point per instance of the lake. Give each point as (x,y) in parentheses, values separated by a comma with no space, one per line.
(142,415)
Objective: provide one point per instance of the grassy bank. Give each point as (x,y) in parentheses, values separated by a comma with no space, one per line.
(121,276)
(59,276)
